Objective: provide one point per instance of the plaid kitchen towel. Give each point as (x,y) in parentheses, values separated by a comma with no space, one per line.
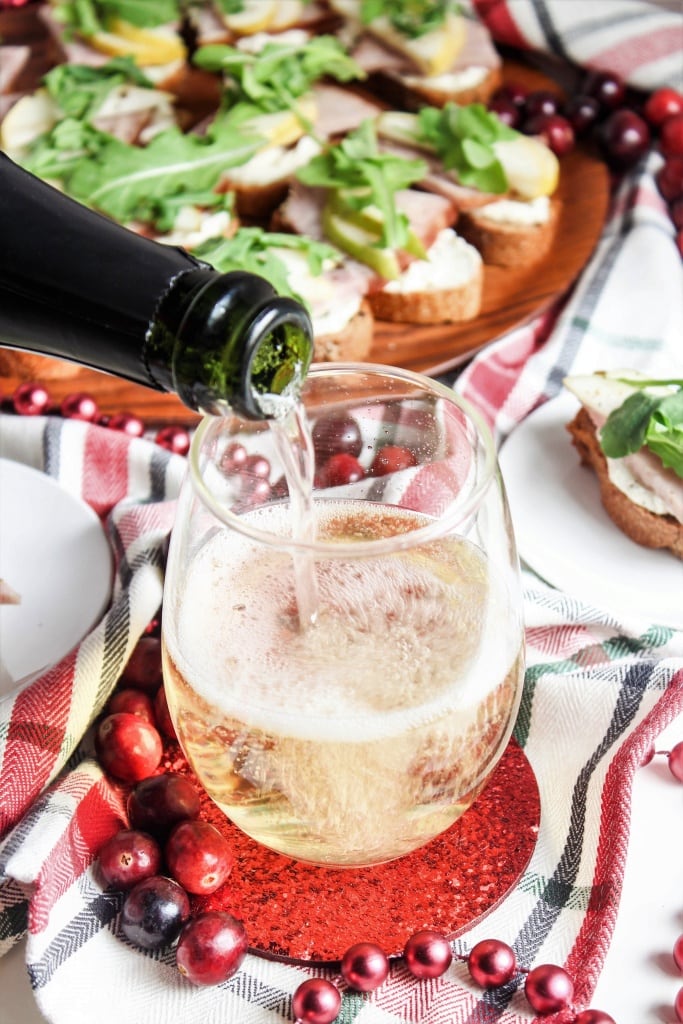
(622,680)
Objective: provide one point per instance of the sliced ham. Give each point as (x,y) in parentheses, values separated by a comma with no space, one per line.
(341,110)
(13,63)
(478,51)
(439,181)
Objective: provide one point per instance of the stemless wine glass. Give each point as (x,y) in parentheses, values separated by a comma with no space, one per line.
(342,625)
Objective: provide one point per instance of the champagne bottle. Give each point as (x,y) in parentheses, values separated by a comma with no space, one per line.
(78,286)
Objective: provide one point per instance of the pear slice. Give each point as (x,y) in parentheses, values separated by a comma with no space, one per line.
(360,243)
(433,53)
(148,46)
(255,16)
(370,219)
(531,168)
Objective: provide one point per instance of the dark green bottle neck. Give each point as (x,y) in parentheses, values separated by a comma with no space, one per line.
(228,341)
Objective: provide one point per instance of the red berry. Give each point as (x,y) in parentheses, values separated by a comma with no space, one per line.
(506,110)
(491,963)
(582,112)
(159,803)
(671,136)
(607,88)
(144,665)
(256,490)
(548,989)
(126,423)
(514,92)
(541,101)
(154,911)
(128,858)
(624,138)
(174,439)
(234,457)
(427,954)
(391,459)
(554,130)
(257,465)
(341,469)
(661,104)
(128,747)
(211,948)
(364,966)
(135,702)
(676,212)
(198,856)
(669,179)
(31,399)
(162,714)
(334,435)
(79,406)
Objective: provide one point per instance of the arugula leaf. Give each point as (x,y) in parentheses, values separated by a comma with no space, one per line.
(411,17)
(644,418)
(252,248)
(88,17)
(79,89)
(463,138)
(162,212)
(126,181)
(279,74)
(361,176)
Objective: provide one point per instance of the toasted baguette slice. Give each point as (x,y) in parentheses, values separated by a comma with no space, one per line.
(444,288)
(508,242)
(350,344)
(640,524)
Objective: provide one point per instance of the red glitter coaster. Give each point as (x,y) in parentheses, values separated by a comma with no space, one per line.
(304,913)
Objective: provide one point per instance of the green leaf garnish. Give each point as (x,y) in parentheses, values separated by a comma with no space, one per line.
(90,16)
(646,419)
(79,89)
(280,74)
(410,17)
(464,138)
(360,176)
(253,249)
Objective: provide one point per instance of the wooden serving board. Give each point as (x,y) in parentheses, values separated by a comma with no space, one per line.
(510,296)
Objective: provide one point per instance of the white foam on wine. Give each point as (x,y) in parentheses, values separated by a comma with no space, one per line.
(398,640)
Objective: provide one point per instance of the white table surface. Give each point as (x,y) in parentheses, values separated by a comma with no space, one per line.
(639,981)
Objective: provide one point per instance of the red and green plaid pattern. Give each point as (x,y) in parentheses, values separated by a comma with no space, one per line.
(598,690)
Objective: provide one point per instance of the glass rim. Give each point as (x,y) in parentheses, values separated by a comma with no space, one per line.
(436,528)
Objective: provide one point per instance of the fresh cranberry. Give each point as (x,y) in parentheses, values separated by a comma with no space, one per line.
(154,911)
(671,136)
(507,111)
(582,112)
(128,747)
(211,948)
(662,104)
(159,803)
(135,702)
(162,715)
(676,212)
(541,101)
(607,88)
(341,469)
(669,179)
(335,435)
(144,665)
(128,858)
(391,459)
(624,138)
(198,857)
(256,491)
(126,423)
(173,439)
(554,129)
(513,92)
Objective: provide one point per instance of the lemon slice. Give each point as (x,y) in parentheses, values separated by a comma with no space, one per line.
(148,46)
(531,168)
(435,52)
(255,16)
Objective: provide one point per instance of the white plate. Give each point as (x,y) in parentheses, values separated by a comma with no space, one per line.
(54,553)
(564,534)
